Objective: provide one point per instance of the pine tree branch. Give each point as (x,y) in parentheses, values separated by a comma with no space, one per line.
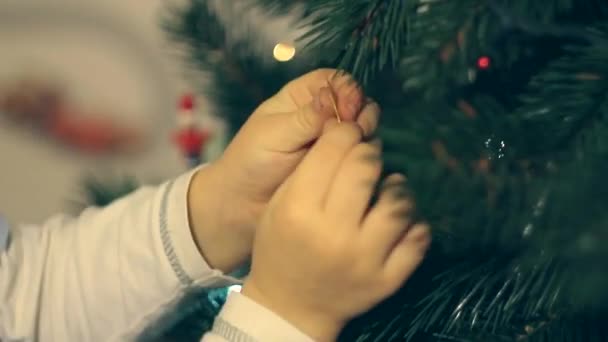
(573,228)
(232,64)
(189,319)
(583,328)
(578,88)
(507,164)
(103,192)
(281,7)
(368,38)
(532,245)
(540,18)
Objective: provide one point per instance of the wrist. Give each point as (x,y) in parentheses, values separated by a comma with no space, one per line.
(221,245)
(313,323)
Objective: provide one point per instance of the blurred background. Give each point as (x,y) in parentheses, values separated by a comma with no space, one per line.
(87,88)
(495,110)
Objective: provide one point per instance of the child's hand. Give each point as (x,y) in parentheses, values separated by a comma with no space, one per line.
(320,255)
(262,155)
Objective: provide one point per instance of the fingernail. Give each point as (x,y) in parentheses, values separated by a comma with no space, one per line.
(399,177)
(373,104)
(427,236)
(395,179)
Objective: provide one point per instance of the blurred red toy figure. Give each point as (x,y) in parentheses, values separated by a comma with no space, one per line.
(43,107)
(95,134)
(189,138)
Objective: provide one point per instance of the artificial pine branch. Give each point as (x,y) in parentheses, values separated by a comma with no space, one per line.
(507,163)
(282,7)
(101,193)
(578,88)
(368,39)
(596,97)
(231,63)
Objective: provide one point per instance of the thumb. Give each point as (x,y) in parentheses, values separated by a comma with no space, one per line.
(291,131)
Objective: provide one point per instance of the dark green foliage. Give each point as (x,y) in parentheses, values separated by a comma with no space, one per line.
(101,193)
(230,63)
(189,319)
(507,163)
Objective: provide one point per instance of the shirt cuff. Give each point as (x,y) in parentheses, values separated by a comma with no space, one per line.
(243,319)
(189,265)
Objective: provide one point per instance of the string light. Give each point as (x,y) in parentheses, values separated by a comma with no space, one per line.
(483,62)
(283,52)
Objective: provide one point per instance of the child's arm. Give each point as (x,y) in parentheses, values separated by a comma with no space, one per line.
(109,272)
(104,274)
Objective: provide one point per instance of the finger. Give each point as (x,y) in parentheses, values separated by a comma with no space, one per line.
(407,255)
(301,90)
(348,96)
(369,117)
(355,182)
(316,172)
(329,124)
(384,226)
(339,78)
(392,189)
(291,131)
(389,218)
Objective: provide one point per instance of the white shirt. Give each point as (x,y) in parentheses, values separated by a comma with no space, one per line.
(107,274)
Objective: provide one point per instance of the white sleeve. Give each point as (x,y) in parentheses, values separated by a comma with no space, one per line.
(104,275)
(243,320)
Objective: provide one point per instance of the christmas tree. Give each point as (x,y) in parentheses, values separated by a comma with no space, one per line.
(497,112)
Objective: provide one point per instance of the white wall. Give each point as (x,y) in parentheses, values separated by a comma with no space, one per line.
(112,55)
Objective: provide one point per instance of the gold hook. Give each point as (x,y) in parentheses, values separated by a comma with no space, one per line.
(333,102)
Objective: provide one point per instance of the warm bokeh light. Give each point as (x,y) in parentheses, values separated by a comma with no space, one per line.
(284,52)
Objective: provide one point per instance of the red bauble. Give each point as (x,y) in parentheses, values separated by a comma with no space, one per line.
(191,140)
(483,62)
(186,102)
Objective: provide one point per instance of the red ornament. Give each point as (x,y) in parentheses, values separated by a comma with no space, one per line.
(186,102)
(191,140)
(483,62)
(43,106)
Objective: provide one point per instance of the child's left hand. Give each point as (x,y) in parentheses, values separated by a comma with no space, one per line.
(262,155)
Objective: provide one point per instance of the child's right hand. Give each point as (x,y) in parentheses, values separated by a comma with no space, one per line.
(320,255)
